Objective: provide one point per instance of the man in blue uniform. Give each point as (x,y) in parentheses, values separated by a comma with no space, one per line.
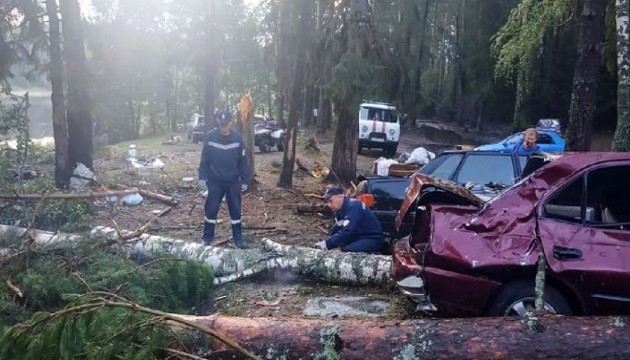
(356,228)
(223,171)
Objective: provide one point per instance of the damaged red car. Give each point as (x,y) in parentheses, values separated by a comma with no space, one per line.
(469,258)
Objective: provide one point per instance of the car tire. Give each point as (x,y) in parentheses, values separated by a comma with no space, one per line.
(280,145)
(517,297)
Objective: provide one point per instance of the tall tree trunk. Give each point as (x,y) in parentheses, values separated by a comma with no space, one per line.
(586,77)
(288,159)
(63,169)
(621,141)
(78,110)
(211,64)
(344,157)
(324,112)
(418,82)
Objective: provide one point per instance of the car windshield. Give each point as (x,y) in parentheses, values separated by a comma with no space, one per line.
(369,113)
(487,169)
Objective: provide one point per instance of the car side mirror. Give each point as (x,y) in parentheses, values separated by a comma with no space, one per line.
(505,144)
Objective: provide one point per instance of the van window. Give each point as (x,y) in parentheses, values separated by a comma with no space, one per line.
(368,113)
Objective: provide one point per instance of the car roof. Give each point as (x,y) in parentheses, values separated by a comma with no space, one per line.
(484,152)
(524,195)
(377,105)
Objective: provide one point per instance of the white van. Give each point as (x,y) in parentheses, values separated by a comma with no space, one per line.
(379,127)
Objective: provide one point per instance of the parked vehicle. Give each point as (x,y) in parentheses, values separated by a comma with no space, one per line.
(485,172)
(266,138)
(549,139)
(379,127)
(468,258)
(196,131)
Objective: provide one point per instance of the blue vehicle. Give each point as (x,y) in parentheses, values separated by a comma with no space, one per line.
(549,139)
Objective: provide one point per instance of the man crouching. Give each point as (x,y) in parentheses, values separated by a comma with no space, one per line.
(356,228)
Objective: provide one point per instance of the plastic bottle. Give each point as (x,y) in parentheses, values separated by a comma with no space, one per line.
(132,152)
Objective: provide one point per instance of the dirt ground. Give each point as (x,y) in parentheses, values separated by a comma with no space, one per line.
(268,212)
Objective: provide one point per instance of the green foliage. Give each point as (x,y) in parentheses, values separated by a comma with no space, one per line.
(105,333)
(351,78)
(522,36)
(64,215)
(51,278)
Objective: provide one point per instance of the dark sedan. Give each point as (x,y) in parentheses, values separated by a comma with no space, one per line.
(485,172)
(467,258)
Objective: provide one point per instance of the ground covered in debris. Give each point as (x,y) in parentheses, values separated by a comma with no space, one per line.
(268,211)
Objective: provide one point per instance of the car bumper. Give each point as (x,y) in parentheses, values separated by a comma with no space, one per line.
(439,290)
(196,136)
(368,143)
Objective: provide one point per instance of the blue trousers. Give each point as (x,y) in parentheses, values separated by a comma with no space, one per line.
(364,245)
(232,193)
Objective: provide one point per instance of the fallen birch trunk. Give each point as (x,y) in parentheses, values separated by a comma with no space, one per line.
(234,264)
(471,338)
(66,196)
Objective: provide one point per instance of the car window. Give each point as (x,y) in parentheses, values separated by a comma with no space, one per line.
(545,139)
(377,114)
(523,161)
(485,169)
(607,192)
(607,200)
(447,168)
(566,203)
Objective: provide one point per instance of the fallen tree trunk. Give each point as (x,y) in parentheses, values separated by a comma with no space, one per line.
(234,264)
(66,196)
(472,338)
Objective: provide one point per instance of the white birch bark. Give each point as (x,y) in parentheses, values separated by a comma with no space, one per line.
(233,264)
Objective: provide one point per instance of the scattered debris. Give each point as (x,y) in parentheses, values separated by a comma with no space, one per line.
(345,306)
(81,177)
(173,140)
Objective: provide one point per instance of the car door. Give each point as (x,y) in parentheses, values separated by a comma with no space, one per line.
(586,249)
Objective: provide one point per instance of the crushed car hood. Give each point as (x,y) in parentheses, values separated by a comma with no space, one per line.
(420,181)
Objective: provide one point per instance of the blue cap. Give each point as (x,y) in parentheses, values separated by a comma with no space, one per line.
(332,192)
(223,117)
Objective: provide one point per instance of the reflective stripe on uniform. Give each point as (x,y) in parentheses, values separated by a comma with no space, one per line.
(210,221)
(223,146)
(234,222)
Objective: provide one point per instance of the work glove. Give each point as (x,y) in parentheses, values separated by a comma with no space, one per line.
(244,187)
(321,245)
(202,185)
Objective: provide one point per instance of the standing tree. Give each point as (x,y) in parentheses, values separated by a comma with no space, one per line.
(621,140)
(63,168)
(350,79)
(211,65)
(78,110)
(288,159)
(586,78)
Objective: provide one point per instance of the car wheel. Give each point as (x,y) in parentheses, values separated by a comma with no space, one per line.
(280,145)
(517,298)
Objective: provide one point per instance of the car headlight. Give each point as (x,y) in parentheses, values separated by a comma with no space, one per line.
(364,128)
(392,132)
